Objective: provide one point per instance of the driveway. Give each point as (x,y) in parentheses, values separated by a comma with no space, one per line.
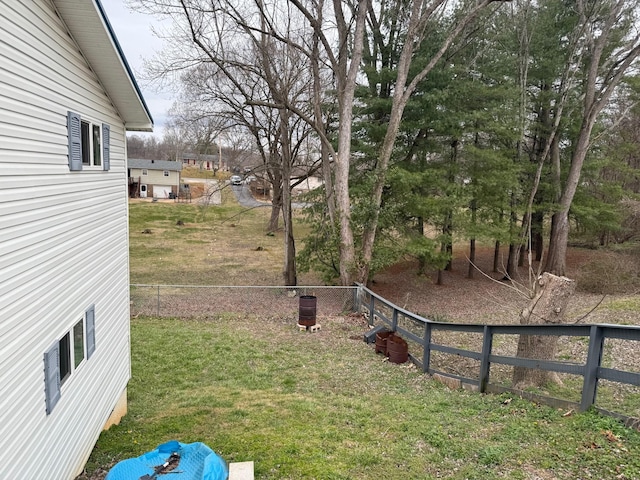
(211,190)
(243,194)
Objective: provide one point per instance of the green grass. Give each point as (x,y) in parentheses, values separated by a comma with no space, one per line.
(322,405)
(325,406)
(216,245)
(196,172)
(626,303)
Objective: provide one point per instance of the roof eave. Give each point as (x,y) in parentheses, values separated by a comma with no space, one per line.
(89,26)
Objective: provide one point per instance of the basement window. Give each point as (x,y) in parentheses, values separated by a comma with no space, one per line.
(66,355)
(64,346)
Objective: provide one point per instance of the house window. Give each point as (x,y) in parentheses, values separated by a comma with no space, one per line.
(71,345)
(165,173)
(64,346)
(91,146)
(78,343)
(89,143)
(67,354)
(144,172)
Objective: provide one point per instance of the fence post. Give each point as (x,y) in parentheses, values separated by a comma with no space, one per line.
(356,297)
(487,343)
(594,358)
(394,320)
(158,308)
(371,309)
(426,348)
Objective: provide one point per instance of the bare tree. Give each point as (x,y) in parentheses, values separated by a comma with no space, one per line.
(331,36)
(194,124)
(242,62)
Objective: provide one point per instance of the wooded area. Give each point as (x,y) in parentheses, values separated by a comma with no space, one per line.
(430,122)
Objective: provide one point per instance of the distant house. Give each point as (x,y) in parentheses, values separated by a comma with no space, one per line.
(154,178)
(67,99)
(204,162)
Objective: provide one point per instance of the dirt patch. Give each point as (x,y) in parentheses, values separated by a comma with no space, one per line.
(488,300)
(485,298)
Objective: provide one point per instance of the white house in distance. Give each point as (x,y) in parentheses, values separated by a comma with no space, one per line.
(154,178)
(67,97)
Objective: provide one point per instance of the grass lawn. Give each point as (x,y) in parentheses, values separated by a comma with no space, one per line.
(322,405)
(325,406)
(215,245)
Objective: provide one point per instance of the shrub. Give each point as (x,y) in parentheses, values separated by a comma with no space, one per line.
(610,273)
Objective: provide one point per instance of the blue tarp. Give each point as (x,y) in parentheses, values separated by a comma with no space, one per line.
(197,462)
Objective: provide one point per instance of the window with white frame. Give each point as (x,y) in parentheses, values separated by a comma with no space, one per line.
(72,350)
(165,173)
(89,143)
(144,172)
(67,354)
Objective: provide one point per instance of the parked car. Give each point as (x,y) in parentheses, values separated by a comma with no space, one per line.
(236,180)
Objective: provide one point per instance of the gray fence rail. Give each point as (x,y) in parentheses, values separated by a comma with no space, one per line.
(587,357)
(592,360)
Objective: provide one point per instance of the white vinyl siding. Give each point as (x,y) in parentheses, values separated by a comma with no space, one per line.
(156,177)
(62,247)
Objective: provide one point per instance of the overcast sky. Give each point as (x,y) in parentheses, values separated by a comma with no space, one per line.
(136,39)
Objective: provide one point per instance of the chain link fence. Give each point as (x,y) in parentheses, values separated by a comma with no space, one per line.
(194,301)
(455,351)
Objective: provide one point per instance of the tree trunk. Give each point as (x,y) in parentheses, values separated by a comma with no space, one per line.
(514,248)
(537,221)
(472,241)
(447,244)
(547,307)
(276,204)
(422,258)
(472,257)
(346,79)
(289,272)
(558,241)
(496,256)
(512,261)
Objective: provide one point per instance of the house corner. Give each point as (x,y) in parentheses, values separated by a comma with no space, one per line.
(119,411)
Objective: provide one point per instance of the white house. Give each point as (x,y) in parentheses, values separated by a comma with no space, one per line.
(67,96)
(153,178)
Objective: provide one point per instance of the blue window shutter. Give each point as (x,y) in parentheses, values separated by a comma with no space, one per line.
(106,138)
(90,314)
(74,133)
(52,377)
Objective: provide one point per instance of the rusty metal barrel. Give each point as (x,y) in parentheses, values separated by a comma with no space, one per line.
(307,310)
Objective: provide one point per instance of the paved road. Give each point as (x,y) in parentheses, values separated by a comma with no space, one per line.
(243,194)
